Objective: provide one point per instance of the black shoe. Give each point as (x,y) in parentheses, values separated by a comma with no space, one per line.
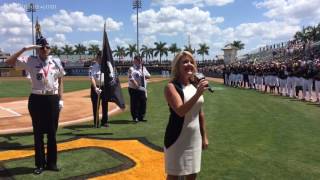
(38,170)
(105,125)
(52,168)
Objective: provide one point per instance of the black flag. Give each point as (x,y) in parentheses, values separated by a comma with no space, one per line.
(38,30)
(111,79)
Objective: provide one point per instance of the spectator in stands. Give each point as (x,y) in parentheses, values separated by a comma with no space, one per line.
(137,75)
(97,91)
(45,100)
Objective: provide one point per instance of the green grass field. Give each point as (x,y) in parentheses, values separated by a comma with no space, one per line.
(251,136)
(21,87)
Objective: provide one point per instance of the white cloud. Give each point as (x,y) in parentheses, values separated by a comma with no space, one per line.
(267,30)
(122,42)
(89,42)
(202,28)
(58,40)
(15,27)
(198,3)
(149,41)
(255,34)
(14,20)
(291,10)
(52,26)
(173,21)
(65,21)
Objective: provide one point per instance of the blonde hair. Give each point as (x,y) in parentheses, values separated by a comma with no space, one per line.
(175,72)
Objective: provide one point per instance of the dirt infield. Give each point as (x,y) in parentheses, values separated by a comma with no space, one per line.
(14,115)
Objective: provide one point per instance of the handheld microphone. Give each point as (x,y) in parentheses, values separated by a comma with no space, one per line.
(200,76)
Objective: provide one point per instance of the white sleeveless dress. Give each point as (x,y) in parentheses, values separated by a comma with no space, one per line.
(184,156)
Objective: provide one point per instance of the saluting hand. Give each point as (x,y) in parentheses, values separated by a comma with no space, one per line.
(30,47)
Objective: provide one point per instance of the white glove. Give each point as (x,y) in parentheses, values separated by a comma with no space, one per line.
(60,104)
(140,88)
(98,91)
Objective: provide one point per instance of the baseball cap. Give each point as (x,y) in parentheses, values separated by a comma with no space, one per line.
(137,57)
(42,42)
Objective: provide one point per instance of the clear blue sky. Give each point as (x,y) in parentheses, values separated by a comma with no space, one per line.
(215,22)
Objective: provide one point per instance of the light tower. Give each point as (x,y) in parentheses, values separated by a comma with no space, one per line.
(32,9)
(137,4)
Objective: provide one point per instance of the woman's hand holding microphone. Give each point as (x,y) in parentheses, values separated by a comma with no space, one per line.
(202,86)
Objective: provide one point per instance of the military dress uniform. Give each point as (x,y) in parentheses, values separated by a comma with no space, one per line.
(44,104)
(95,74)
(138,96)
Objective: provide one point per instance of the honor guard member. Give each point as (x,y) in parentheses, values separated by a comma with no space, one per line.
(97,89)
(137,75)
(45,100)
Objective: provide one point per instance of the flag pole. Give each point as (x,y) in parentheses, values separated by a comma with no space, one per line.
(98,104)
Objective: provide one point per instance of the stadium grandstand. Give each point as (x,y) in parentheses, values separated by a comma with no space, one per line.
(4,69)
(283,51)
(76,65)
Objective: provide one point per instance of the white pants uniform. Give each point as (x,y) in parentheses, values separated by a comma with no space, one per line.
(259,81)
(251,79)
(307,86)
(239,78)
(283,85)
(273,80)
(232,78)
(291,85)
(317,88)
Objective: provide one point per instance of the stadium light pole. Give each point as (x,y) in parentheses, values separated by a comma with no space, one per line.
(32,9)
(137,4)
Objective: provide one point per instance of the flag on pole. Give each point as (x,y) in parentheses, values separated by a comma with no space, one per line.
(111,79)
(38,30)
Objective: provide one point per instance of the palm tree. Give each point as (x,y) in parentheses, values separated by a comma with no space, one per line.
(160,49)
(145,52)
(131,50)
(238,44)
(119,52)
(311,33)
(203,50)
(189,48)
(80,50)
(67,50)
(93,49)
(55,51)
(174,49)
(151,52)
(301,36)
(318,32)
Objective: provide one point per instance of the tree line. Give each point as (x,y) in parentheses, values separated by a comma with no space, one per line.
(161,49)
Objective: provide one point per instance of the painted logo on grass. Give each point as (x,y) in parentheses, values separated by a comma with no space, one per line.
(147,162)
